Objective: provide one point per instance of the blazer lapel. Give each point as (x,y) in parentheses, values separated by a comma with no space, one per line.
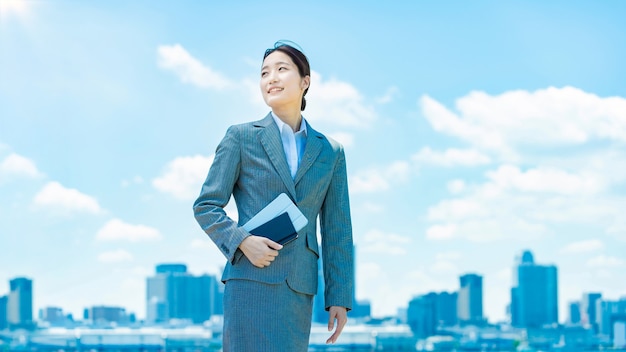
(271,142)
(311,151)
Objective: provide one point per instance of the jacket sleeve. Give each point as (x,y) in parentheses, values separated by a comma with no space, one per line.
(215,194)
(337,245)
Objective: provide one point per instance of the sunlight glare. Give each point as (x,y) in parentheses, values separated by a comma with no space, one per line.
(18,8)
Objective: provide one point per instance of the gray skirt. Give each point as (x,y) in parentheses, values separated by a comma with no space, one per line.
(260,317)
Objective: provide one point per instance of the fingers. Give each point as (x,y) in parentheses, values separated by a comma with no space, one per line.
(273,245)
(339,314)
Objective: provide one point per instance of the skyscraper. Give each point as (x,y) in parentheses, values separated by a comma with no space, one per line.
(421,315)
(446,308)
(3,312)
(20,303)
(588,310)
(534,299)
(470,299)
(173,293)
(574,313)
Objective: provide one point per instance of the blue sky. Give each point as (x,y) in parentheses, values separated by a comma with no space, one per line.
(473,131)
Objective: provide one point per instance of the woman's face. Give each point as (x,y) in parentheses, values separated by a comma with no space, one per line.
(281,84)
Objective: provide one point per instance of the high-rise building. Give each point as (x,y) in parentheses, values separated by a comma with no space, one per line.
(173,293)
(20,303)
(446,308)
(421,315)
(607,313)
(52,315)
(588,309)
(574,313)
(105,314)
(470,299)
(3,312)
(534,296)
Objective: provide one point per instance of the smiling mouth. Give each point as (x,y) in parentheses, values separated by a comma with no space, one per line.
(275,89)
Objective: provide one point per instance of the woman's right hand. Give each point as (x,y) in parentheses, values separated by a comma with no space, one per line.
(260,251)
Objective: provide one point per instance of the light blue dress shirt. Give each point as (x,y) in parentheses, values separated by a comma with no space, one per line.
(293,143)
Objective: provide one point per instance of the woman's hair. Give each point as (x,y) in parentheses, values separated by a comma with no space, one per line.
(294,51)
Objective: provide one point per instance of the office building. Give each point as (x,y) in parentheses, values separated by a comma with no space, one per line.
(52,315)
(574,313)
(20,303)
(588,310)
(102,315)
(607,313)
(3,312)
(470,300)
(446,308)
(421,315)
(534,295)
(173,293)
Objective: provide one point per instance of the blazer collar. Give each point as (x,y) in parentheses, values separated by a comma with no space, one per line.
(269,137)
(272,143)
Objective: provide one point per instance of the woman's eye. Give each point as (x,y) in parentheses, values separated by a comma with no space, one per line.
(282,68)
(263,74)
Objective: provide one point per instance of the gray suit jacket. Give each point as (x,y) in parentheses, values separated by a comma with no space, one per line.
(250,164)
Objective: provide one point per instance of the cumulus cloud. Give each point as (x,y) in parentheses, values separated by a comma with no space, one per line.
(115,256)
(346,139)
(583,246)
(117,230)
(184,176)
(388,96)
(451,157)
(337,102)
(379,179)
(18,166)
(376,241)
(59,199)
(189,69)
(546,117)
(603,261)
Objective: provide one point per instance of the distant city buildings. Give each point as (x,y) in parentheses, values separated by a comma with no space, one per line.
(173,293)
(534,295)
(52,315)
(19,311)
(470,300)
(3,312)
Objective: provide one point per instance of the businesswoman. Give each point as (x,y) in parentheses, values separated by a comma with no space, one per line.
(269,287)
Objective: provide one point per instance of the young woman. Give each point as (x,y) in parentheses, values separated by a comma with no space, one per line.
(270,287)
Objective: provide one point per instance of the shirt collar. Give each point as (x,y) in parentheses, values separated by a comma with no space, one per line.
(280,123)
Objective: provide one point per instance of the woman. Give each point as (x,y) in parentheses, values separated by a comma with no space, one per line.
(269,287)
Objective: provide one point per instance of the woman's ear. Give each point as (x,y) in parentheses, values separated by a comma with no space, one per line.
(306,82)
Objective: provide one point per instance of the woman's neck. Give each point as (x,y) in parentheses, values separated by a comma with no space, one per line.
(291,117)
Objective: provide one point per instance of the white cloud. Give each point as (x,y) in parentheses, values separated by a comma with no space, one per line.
(184,176)
(17,165)
(603,261)
(441,232)
(389,95)
(546,117)
(346,139)
(545,180)
(376,241)
(117,230)
(379,179)
(451,157)
(189,69)
(58,199)
(115,256)
(337,102)
(456,186)
(583,246)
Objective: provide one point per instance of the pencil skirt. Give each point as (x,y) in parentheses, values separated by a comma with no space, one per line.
(261,317)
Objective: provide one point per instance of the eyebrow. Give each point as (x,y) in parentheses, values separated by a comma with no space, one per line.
(277,64)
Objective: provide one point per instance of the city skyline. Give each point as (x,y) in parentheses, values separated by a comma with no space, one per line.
(471,131)
(469,293)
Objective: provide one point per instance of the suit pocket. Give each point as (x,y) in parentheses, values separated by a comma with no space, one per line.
(311,244)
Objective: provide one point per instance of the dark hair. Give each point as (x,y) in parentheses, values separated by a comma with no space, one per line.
(294,51)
